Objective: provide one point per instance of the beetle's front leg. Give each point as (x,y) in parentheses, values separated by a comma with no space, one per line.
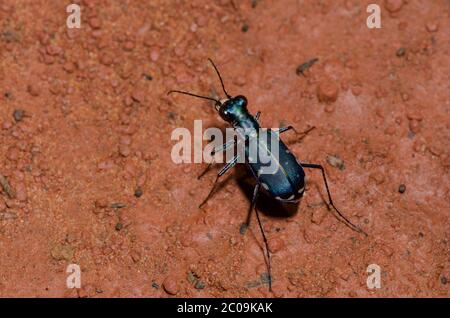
(224,170)
(258,114)
(216,150)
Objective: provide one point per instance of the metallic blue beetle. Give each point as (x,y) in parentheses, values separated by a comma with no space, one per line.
(286,184)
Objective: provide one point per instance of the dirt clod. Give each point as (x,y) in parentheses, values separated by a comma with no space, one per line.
(62,252)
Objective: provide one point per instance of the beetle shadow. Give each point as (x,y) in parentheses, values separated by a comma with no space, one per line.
(265,203)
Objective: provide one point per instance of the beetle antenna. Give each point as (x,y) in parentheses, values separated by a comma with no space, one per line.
(195,95)
(220,77)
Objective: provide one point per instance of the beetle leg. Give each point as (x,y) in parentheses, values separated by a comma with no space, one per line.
(302,133)
(284,129)
(258,114)
(224,170)
(219,149)
(266,243)
(346,221)
(245,225)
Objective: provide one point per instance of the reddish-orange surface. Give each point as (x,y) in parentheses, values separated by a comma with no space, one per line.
(94,129)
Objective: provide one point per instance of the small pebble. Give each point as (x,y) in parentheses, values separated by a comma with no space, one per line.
(356,90)
(336,161)
(377,177)
(7,216)
(53,50)
(170,285)
(276,244)
(318,216)
(106,59)
(329,108)
(128,46)
(245,28)
(419,146)
(402,188)
(95,23)
(135,256)
(124,150)
(432,26)
(393,5)
(21,192)
(8,95)
(69,67)
(414,126)
(444,280)
(154,55)
(414,115)
(33,90)
(138,95)
(199,285)
(138,192)
(7,187)
(390,130)
(327,92)
(119,226)
(18,115)
(401,52)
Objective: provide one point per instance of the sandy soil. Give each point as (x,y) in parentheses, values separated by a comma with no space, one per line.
(85,127)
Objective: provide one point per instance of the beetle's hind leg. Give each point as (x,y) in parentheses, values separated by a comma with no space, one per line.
(266,243)
(245,225)
(302,134)
(330,201)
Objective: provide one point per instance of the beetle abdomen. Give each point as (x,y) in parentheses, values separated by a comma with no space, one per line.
(283,177)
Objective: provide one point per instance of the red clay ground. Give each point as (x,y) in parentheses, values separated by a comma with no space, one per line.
(89,128)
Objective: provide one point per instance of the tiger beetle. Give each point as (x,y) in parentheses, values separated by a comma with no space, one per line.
(286,185)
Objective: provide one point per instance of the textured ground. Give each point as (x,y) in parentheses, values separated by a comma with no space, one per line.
(85,125)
